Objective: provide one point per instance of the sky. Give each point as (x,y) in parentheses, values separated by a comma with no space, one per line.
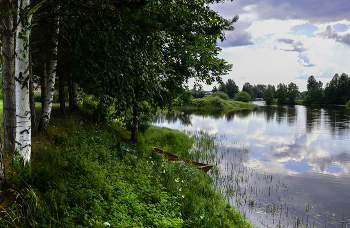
(284,41)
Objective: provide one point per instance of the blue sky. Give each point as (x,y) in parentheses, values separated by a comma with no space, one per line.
(280,41)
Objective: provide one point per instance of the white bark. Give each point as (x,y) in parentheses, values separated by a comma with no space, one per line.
(23,127)
(50,88)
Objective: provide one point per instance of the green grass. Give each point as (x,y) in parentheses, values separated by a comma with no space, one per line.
(86,174)
(209,106)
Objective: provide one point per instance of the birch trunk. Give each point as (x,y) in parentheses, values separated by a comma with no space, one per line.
(50,88)
(23,127)
(8,76)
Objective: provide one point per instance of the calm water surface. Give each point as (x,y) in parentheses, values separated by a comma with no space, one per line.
(284,166)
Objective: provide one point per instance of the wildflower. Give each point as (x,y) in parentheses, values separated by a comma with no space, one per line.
(177,180)
(183,196)
(106,224)
(164,171)
(202,216)
(179,189)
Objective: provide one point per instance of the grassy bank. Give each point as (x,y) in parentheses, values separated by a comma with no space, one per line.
(87,175)
(211,105)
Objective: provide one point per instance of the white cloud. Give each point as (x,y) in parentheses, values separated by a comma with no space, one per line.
(262,28)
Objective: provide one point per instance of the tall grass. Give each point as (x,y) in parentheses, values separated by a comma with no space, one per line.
(87,175)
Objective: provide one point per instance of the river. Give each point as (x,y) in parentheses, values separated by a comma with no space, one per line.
(283,166)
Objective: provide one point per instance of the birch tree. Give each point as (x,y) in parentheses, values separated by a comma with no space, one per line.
(8,71)
(22,78)
(50,85)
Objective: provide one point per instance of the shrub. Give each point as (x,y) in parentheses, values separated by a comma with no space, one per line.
(217,102)
(347,105)
(200,102)
(220,94)
(243,96)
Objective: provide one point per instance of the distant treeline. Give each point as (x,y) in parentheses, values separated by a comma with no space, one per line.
(336,92)
(285,94)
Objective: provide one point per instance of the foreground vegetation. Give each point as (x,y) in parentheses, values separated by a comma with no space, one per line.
(85,175)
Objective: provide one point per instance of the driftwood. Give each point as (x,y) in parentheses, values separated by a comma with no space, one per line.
(172,157)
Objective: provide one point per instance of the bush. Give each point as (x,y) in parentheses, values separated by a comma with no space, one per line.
(347,105)
(217,102)
(220,94)
(200,102)
(243,96)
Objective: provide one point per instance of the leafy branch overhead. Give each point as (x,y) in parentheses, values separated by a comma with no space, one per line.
(118,45)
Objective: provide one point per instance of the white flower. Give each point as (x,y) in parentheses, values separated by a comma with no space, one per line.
(202,216)
(164,171)
(177,180)
(106,224)
(183,196)
(180,189)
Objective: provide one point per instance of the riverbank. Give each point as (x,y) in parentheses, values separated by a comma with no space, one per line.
(88,175)
(212,105)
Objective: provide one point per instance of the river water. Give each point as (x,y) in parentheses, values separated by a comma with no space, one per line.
(283,166)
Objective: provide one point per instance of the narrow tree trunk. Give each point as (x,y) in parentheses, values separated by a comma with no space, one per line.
(62,95)
(135,120)
(2,166)
(73,96)
(43,81)
(23,127)
(50,88)
(31,98)
(8,76)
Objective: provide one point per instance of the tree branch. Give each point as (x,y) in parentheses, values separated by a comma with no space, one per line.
(35,8)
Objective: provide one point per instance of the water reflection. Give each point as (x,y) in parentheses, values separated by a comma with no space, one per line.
(184,118)
(304,148)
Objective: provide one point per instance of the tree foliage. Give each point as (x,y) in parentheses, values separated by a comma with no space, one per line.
(315,95)
(292,93)
(231,88)
(268,95)
(337,91)
(260,89)
(147,49)
(310,82)
(247,87)
(281,94)
(243,96)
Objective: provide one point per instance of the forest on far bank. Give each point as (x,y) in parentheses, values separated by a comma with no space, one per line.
(335,92)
